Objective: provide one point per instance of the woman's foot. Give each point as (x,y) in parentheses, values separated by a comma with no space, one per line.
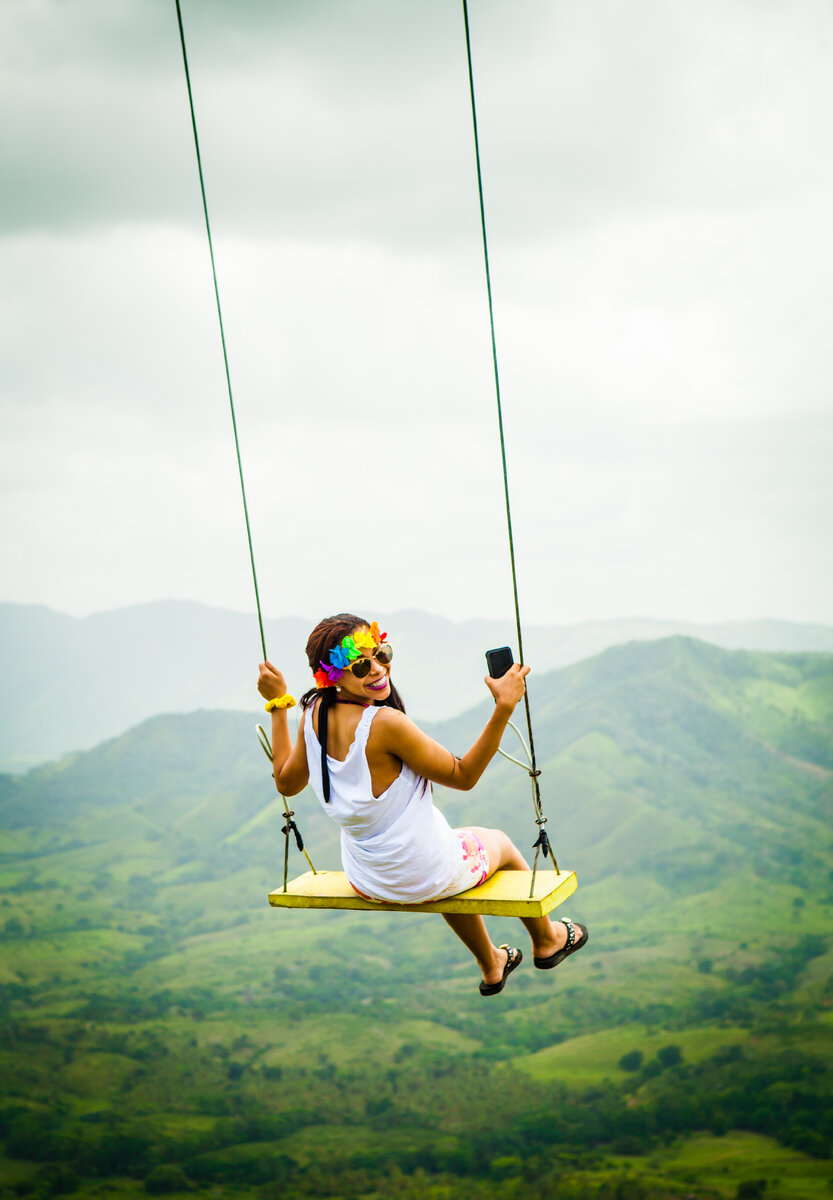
(506,958)
(567,937)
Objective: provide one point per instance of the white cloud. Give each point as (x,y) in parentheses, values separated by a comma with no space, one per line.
(658,193)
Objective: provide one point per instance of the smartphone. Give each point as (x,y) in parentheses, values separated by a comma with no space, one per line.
(499,661)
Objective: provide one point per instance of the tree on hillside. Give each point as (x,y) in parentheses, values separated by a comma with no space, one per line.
(631,1061)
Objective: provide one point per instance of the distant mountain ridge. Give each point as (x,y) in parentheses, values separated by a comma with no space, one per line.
(68,683)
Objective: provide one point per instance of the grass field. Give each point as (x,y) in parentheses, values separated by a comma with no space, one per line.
(157,1014)
(721,1164)
(593,1058)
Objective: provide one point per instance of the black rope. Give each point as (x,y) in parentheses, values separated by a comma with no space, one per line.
(534,772)
(222,330)
(290,826)
(285,832)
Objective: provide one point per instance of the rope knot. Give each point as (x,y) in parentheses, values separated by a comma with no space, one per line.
(543,841)
(290,825)
(533,774)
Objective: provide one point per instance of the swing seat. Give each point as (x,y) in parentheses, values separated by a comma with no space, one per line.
(504,894)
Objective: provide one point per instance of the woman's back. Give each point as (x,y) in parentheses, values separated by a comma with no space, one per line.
(396,846)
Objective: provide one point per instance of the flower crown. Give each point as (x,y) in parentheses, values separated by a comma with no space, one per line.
(348,650)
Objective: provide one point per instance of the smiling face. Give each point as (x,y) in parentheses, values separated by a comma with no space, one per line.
(374,686)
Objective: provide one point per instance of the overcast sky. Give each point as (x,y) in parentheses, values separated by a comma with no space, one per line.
(659,188)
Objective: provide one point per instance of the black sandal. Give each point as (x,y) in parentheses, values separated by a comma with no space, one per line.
(546,964)
(514,958)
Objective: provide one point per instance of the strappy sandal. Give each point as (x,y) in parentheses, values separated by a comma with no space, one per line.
(546,964)
(514,958)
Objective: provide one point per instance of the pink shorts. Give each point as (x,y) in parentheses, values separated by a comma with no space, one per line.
(474,855)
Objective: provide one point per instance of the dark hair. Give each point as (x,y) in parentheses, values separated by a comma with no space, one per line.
(327,634)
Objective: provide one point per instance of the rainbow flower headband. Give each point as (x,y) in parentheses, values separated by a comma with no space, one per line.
(348,650)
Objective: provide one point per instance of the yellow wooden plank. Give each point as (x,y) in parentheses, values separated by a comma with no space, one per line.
(504,894)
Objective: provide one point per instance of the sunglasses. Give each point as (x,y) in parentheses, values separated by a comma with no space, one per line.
(361,666)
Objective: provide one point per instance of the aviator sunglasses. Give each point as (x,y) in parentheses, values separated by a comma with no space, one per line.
(361,666)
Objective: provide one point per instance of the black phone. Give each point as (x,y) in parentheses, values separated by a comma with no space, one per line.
(499,661)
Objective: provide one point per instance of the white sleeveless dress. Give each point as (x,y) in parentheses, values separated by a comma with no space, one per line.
(394,847)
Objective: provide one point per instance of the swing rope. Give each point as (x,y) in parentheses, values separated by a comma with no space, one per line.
(289,827)
(543,842)
(222,330)
(288,813)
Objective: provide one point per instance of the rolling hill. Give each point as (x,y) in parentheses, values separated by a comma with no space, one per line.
(164,1031)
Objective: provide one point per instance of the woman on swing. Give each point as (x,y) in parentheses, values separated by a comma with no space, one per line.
(372,770)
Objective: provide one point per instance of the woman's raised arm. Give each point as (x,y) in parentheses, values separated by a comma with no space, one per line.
(398,735)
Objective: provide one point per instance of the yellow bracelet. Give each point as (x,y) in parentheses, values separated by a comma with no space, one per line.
(286,701)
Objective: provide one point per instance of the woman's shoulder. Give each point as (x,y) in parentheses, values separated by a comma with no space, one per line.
(388,720)
(390,728)
(385,717)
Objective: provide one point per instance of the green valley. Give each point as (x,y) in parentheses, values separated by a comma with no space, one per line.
(164,1032)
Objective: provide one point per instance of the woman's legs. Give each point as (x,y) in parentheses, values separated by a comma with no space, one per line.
(547,936)
(471,930)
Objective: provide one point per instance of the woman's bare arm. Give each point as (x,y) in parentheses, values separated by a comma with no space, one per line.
(398,735)
(289,763)
(291,769)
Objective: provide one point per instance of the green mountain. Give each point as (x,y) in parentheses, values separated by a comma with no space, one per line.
(663,755)
(164,1031)
(182,656)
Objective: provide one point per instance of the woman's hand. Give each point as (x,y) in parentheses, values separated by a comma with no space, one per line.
(509,689)
(270,682)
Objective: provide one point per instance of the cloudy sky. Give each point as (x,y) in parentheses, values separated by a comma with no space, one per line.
(659,184)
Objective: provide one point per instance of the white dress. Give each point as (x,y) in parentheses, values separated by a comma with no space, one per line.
(394,847)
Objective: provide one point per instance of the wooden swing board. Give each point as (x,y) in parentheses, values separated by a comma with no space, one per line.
(504,894)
